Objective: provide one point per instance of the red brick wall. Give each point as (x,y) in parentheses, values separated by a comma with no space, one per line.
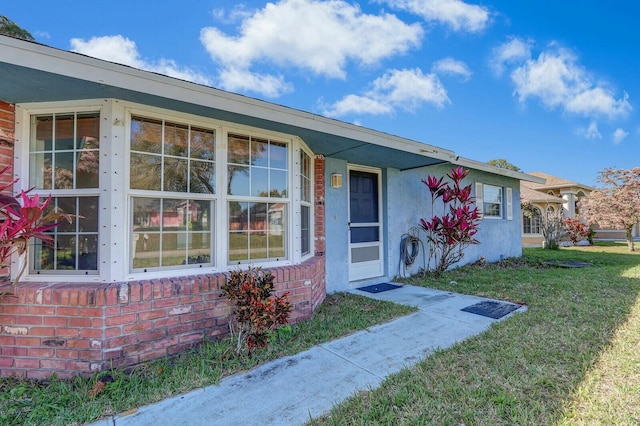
(7,131)
(78,328)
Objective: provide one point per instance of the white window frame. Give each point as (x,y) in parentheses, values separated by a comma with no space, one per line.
(115,197)
(506,203)
(300,202)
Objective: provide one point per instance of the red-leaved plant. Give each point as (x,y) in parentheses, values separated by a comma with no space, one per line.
(22,219)
(450,233)
(258,312)
(576,230)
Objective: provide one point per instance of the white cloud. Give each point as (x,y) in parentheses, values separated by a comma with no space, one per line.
(238,80)
(619,135)
(514,50)
(460,16)
(558,81)
(405,89)
(121,50)
(316,36)
(592,131)
(452,66)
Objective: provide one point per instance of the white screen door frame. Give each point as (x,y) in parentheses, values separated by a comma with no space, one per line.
(365,223)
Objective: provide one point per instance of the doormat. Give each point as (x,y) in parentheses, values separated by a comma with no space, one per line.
(569,264)
(379,288)
(495,310)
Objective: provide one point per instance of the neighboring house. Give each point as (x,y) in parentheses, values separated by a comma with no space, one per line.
(554,194)
(177,184)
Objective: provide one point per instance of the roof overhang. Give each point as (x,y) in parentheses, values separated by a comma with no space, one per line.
(32,72)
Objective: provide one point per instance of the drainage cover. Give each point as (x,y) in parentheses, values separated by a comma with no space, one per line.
(491,309)
(379,288)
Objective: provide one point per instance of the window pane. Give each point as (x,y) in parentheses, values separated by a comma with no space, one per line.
(175,139)
(492,210)
(145,172)
(40,170)
(146,249)
(88,131)
(202,178)
(88,209)
(42,134)
(175,174)
(238,180)
(304,230)
(238,216)
(174,246)
(68,205)
(259,153)
(278,184)
(203,144)
(64,170)
(64,132)
(65,252)
(278,155)
(492,194)
(199,215)
(174,214)
(43,256)
(87,169)
(257,245)
(259,182)
(238,246)
(146,135)
(238,149)
(199,248)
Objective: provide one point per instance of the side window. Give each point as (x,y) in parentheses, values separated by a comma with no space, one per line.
(64,156)
(494,201)
(305,200)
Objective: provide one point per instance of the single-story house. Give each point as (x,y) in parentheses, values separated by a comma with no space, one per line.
(553,194)
(176,184)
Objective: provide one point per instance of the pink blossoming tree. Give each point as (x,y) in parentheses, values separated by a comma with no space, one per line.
(617,203)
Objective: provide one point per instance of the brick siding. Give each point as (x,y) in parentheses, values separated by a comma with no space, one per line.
(79,328)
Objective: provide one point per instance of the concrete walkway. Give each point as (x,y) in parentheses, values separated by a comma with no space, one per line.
(291,390)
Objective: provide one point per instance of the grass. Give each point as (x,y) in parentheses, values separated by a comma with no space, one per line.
(58,402)
(572,359)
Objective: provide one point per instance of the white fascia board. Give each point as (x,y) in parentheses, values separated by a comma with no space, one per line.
(75,65)
(473,164)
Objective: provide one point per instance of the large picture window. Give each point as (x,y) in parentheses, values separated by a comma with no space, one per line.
(258,198)
(64,155)
(169,160)
(166,193)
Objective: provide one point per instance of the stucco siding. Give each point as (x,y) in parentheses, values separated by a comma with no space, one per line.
(337,227)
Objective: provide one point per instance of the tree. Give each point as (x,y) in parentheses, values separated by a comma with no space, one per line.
(503,164)
(617,203)
(11,29)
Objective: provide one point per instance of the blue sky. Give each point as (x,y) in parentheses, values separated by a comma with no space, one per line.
(550,86)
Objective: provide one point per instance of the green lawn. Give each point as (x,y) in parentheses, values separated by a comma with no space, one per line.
(572,359)
(56,402)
